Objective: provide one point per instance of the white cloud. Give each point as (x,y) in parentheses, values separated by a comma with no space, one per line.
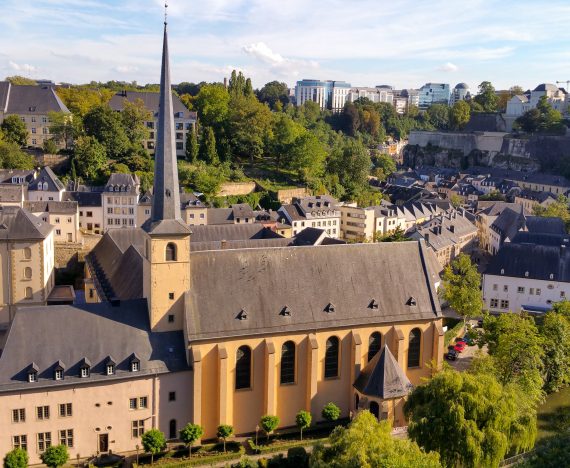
(24,67)
(126,69)
(261,51)
(448,67)
(278,64)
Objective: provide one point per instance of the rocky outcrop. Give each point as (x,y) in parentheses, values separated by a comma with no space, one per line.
(492,149)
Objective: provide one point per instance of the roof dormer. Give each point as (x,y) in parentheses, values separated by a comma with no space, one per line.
(135,363)
(84,368)
(32,372)
(110,365)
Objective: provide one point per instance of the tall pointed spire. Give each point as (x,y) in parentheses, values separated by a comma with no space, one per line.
(166,199)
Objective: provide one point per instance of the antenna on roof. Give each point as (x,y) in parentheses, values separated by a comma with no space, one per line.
(165,13)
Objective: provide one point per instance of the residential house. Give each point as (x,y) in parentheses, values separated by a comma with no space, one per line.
(32,104)
(46,187)
(530,199)
(90,204)
(448,235)
(320,211)
(62,215)
(13,194)
(120,198)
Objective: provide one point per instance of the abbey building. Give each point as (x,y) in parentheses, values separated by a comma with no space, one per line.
(171,336)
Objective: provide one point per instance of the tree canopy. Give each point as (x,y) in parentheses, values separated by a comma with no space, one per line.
(14,130)
(461,287)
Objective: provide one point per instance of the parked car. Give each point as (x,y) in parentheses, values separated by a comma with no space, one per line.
(469,340)
(460,346)
(460,340)
(451,355)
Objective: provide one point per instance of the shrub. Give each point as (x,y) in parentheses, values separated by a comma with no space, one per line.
(224,431)
(303,420)
(190,434)
(269,423)
(297,457)
(331,412)
(56,455)
(153,442)
(17,458)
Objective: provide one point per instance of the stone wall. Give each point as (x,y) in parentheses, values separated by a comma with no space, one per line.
(236,188)
(493,149)
(287,195)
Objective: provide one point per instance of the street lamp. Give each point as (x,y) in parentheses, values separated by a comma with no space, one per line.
(137,447)
(256,431)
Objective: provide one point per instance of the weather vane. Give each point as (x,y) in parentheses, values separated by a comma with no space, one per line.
(165,12)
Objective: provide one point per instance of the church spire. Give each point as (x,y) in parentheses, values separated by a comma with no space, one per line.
(166,199)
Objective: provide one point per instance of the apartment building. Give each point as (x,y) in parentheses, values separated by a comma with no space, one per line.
(327,94)
(530,199)
(90,204)
(434,93)
(320,211)
(120,198)
(33,105)
(62,215)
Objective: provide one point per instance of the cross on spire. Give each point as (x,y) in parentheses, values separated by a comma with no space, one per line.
(165,13)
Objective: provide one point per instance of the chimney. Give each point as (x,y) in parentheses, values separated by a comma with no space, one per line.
(426,237)
(452,228)
(223,244)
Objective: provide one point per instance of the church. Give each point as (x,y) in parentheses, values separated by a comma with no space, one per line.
(170,335)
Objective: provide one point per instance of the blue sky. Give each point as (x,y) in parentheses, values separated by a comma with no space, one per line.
(404,43)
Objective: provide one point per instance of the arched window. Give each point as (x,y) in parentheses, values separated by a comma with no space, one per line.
(243,367)
(374,344)
(172,433)
(375,409)
(27,273)
(414,348)
(29,293)
(171,252)
(288,362)
(331,357)
(27,253)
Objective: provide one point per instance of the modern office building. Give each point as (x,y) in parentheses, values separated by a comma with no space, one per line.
(434,93)
(461,92)
(328,94)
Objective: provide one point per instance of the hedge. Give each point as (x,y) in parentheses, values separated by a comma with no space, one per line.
(202,457)
(452,333)
(272,448)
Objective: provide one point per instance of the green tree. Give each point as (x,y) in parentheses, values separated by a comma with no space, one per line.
(303,420)
(21,81)
(65,127)
(134,117)
(190,434)
(192,147)
(249,127)
(495,195)
(212,104)
(81,100)
(56,455)
(562,308)
(16,458)
(274,92)
(307,157)
(153,442)
(555,332)
(350,161)
(14,130)
(487,97)
(384,165)
(438,115)
(50,146)
(398,235)
(456,200)
(12,157)
(269,423)
(368,442)
(208,151)
(284,133)
(470,420)
(89,157)
(106,125)
(223,432)
(461,287)
(330,412)
(459,115)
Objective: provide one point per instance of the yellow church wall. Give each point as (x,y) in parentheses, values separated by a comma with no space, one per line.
(311,391)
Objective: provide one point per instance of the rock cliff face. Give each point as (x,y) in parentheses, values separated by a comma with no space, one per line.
(492,149)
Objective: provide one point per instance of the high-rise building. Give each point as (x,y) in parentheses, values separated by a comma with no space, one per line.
(461,92)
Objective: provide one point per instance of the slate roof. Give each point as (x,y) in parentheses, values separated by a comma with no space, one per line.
(92,332)
(229,232)
(12,193)
(546,87)
(48,176)
(322,203)
(262,282)
(383,377)
(540,261)
(56,207)
(7,174)
(19,224)
(151,101)
(84,199)
(525,237)
(445,230)
(127,182)
(509,222)
(239,244)
(31,100)
(534,195)
(118,251)
(545,225)
(519,176)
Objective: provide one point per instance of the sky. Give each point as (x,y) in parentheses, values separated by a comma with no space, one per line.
(403,43)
